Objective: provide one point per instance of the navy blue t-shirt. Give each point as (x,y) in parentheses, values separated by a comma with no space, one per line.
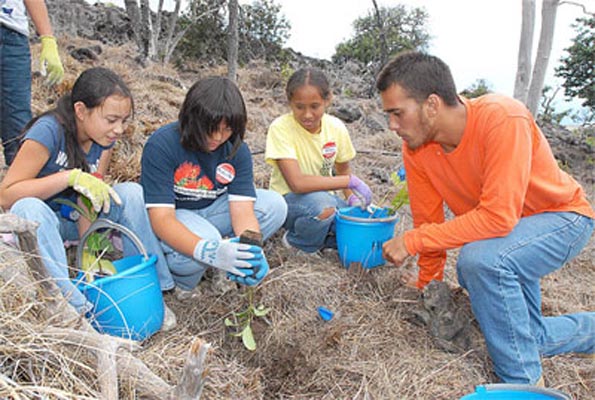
(172,176)
(50,133)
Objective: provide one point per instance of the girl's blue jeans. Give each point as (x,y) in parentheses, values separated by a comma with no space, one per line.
(305,230)
(53,230)
(502,277)
(15,89)
(214,223)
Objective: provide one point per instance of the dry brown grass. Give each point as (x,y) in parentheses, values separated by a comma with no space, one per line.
(371,349)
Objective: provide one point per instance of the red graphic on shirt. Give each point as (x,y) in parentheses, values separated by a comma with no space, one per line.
(225,173)
(187,176)
(329,150)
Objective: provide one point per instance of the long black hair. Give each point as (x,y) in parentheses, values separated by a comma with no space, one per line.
(91,88)
(209,102)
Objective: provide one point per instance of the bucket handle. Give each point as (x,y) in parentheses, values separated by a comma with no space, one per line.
(101,223)
(368,220)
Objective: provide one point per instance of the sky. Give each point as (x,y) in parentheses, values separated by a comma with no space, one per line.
(478,39)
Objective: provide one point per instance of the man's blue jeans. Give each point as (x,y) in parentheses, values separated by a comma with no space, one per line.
(214,222)
(54,230)
(305,230)
(502,277)
(15,89)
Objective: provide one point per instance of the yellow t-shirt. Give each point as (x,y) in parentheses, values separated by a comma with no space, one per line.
(316,154)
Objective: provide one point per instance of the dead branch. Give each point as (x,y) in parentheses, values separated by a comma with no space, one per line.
(582,6)
(114,357)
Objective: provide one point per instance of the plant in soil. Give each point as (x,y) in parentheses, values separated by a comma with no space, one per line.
(241,322)
(98,244)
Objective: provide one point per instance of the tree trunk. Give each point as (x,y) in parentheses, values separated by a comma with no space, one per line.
(147,50)
(232,40)
(546,38)
(157,31)
(134,14)
(523,73)
(383,45)
(168,45)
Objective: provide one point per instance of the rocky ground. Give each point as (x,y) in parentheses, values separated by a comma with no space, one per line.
(372,348)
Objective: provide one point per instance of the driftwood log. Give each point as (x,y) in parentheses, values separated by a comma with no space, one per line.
(115,357)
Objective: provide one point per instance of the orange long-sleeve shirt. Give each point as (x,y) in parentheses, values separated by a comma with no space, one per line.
(503,169)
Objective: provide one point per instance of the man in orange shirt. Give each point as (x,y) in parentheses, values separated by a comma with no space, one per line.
(518,216)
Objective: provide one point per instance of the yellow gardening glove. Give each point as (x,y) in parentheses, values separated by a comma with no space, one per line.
(96,190)
(50,59)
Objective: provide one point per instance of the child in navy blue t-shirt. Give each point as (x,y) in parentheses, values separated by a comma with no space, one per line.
(198,183)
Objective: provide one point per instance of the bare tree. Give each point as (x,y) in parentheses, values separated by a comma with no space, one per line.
(523,73)
(530,90)
(383,45)
(148,37)
(232,40)
(549,10)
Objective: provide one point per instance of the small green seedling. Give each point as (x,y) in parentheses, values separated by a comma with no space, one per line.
(401,198)
(242,321)
(97,244)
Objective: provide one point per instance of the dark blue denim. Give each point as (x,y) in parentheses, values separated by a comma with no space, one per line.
(15,89)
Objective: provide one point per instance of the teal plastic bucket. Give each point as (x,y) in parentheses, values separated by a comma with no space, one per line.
(129,303)
(361,233)
(507,391)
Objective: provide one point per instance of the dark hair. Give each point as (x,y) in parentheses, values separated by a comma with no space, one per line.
(208,102)
(92,87)
(308,76)
(420,75)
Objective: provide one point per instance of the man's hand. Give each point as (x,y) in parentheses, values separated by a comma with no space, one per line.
(50,60)
(394,251)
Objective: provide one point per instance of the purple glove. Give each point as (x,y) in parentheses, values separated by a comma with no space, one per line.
(362,195)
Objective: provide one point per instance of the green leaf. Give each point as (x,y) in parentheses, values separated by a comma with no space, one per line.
(248,338)
(87,203)
(229,322)
(81,210)
(242,315)
(99,242)
(261,311)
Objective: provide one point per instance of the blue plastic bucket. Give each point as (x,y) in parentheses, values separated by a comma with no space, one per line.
(129,303)
(507,391)
(361,233)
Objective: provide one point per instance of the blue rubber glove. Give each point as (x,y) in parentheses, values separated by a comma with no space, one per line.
(252,280)
(362,195)
(227,254)
(254,275)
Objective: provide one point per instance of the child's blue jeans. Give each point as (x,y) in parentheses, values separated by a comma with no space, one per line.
(214,222)
(305,230)
(54,230)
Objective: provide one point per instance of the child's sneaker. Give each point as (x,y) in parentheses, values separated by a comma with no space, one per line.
(169,319)
(285,242)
